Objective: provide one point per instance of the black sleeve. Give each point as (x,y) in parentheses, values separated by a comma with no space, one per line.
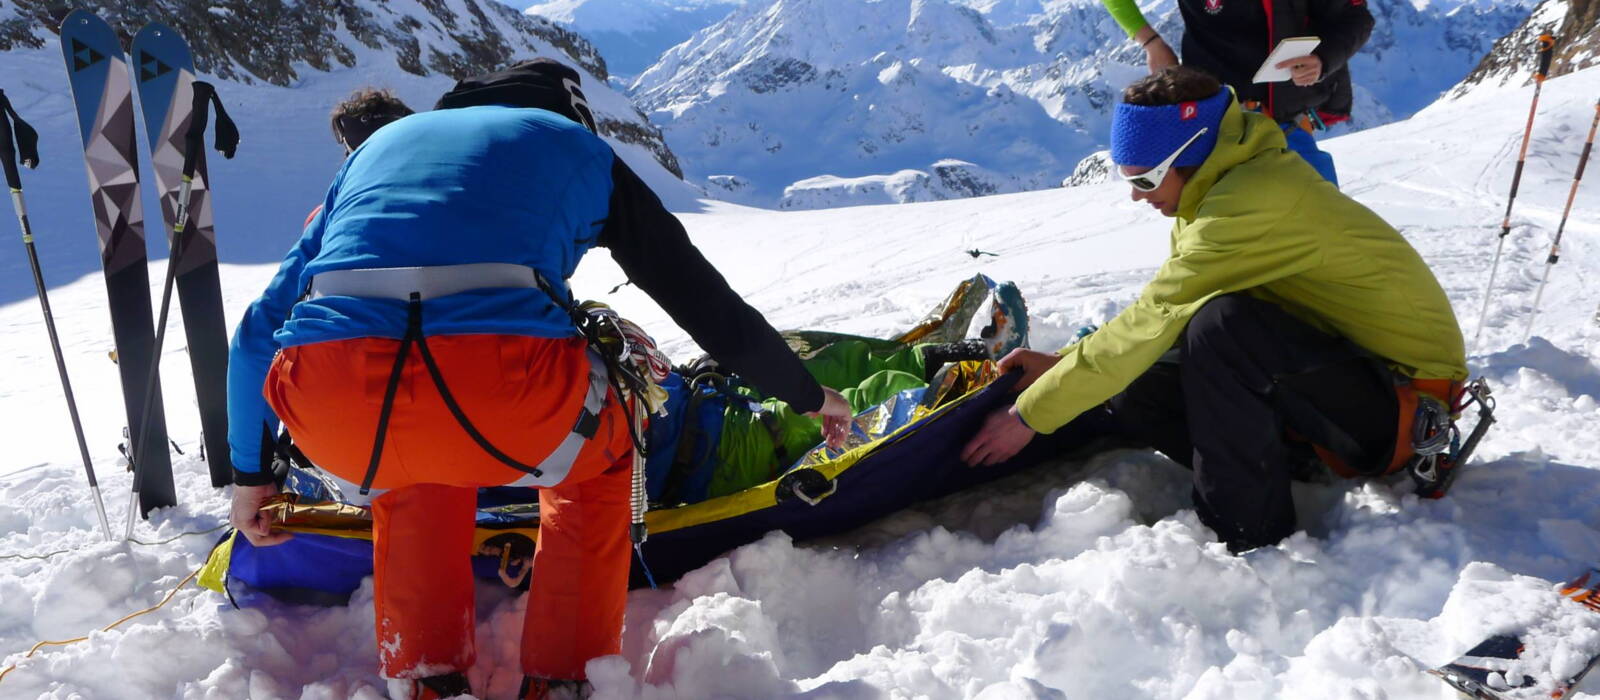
(1343,26)
(654,252)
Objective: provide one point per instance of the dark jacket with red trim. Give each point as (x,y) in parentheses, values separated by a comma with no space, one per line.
(1231,38)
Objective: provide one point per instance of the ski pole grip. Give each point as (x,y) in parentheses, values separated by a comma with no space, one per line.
(195,138)
(1547,45)
(8,151)
(227,134)
(1583,162)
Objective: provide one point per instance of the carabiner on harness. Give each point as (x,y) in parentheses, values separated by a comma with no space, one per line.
(1436,440)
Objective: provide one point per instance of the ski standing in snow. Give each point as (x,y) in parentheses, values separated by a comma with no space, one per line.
(174,106)
(103,95)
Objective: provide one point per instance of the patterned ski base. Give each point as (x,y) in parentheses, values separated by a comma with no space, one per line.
(103,96)
(165,78)
(1481,673)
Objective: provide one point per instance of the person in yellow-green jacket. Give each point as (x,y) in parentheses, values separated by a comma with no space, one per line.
(1286,312)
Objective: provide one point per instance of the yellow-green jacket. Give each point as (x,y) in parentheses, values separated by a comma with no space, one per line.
(1256,218)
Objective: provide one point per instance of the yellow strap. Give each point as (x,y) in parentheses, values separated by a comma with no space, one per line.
(213,574)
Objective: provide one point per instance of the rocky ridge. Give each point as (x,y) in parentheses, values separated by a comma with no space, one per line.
(1576,27)
(277,41)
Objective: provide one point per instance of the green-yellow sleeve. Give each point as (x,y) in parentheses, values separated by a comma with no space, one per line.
(1213,256)
(1127,15)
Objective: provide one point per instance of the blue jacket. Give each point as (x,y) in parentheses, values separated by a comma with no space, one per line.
(476,185)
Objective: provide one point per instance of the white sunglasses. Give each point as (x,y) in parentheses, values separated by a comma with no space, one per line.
(1149,180)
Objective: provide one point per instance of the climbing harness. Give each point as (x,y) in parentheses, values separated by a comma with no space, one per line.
(1436,440)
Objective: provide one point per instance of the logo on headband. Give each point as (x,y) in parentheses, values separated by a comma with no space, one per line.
(1188,110)
(1213,6)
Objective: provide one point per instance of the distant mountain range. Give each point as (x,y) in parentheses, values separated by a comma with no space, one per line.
(807,103)
(632,34)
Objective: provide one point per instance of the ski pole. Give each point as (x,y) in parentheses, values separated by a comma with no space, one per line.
(194,143)
(1546,50)
(26,145)
(1555,245)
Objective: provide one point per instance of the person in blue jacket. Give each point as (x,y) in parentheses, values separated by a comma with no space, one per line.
(417,343)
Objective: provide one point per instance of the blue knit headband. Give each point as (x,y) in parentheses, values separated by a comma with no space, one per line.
(1143,136)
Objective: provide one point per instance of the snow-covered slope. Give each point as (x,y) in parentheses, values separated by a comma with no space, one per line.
(788,90)
(1090,580)
(632,34)
(283,65)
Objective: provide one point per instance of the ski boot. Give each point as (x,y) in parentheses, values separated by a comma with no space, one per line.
(936,356)
(447,685)
(1001,322)
(547,689)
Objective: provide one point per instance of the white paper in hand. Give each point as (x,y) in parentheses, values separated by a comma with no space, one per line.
(1292,47)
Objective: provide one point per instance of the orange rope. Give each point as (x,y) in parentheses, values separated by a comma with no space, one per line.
(109,627)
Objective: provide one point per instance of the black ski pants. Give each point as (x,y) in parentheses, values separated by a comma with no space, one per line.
(1244,371)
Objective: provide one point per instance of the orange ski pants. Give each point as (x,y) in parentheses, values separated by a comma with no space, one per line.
(522,394)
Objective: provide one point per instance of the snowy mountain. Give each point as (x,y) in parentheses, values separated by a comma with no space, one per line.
(1574,23)
(798,89)
(1089,579)
(632,34)
(1022,88)
(280,66)
(946,179)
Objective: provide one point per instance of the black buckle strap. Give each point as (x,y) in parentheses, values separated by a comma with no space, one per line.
(413,329)
(806,485)
(414,335)
(588,424)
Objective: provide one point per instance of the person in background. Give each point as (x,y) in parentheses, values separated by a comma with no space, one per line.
(419,342)
(358,117)
(1286,313)
(362,113)
(1232,38)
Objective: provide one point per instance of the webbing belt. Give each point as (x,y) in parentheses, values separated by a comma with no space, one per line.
(430,282)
